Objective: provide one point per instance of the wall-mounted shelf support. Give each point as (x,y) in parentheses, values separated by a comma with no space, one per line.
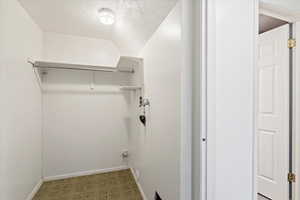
(130,65)
(68,66)
(129,88)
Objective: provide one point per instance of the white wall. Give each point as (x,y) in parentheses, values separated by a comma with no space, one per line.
(21,162)
(84,129)
(231,51)
(292,5)
(155,151)
(79,50)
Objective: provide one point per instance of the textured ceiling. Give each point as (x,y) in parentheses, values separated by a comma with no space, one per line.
(136,20)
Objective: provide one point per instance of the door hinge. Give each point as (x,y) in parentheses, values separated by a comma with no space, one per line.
(291,43)
(291,177)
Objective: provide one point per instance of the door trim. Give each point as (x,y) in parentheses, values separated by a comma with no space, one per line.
(210,97)
(291,113)
(296,115)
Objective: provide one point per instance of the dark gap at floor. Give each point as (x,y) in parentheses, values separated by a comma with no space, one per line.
(262,197)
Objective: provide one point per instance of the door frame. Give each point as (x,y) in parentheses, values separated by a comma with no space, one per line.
(296,116)
(190,186)
(207,95)
(203,183)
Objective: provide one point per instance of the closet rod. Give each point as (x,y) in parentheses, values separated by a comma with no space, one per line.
(65,66)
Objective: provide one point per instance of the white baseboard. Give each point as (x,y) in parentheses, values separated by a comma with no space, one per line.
(35,190)
(84,173)
(139,185)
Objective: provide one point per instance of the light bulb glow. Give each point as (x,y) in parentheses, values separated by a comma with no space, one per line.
(106,16)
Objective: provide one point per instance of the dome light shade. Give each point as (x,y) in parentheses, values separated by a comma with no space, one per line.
(106,16)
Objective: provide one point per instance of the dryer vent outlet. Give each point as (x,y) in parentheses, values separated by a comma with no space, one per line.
(125,154)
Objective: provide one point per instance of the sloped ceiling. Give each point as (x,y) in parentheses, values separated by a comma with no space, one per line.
(267,23)
(136,20)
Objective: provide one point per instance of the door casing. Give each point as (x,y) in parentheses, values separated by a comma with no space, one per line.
(209,97)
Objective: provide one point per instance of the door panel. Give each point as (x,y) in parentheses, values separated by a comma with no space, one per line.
(272,113)
(266,90)
(266,158)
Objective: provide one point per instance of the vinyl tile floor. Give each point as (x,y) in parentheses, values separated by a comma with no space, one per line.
(118,185)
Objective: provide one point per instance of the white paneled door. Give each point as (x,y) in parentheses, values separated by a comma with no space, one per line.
(273,113)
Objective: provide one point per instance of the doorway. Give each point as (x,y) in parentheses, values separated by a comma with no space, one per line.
(273,107)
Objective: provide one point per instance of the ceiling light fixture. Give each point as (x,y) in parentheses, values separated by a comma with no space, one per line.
(106,16)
